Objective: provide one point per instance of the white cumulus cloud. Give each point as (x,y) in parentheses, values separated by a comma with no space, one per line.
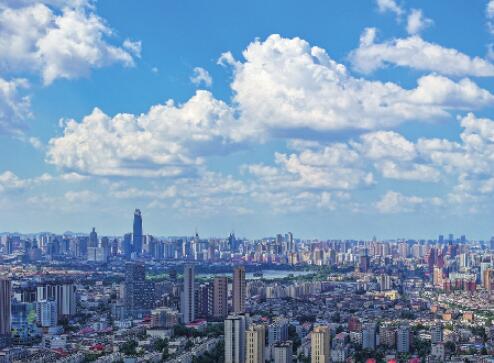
(201,76)
(58,44)
(417,22)
(414,52)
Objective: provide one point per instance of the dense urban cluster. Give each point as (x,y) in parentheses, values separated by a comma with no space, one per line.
(137,298)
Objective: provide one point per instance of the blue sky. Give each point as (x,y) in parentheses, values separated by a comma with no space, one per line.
(330,119)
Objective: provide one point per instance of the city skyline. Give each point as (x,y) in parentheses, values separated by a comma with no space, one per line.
(336,119)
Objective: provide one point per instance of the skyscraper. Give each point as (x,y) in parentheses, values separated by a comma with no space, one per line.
(5,307)
(254,349)
(320,345)
(238,294)
(403,339)
(46,313)
(235,339)
(138,293)
(93,238)
(137,232)
(220,297)
(369,336)
(188,294)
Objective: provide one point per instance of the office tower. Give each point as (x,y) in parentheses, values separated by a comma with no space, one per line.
(238,294)
(254,349)
(204,300)
(369,336)
(403,339)
(283,352)
(93,238)
(137,233)
(5,308)
(138,293)
(127,245)
(319,340)
(235,339)
(188,294)
(436,333)
(220,297)
(46,313)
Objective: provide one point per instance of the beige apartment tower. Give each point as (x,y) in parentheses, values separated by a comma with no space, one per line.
(320,345)
(220,297)
(254,347)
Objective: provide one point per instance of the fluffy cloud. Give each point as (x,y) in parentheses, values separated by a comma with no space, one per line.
(286,84)
(168,140)
(389,5)
(414,52)
(201,76)
(11,182)
(14,107)
(394,202)
(58,44)
(417,22)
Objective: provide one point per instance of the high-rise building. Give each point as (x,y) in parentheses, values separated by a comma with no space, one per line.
(188,294)
(238,293)
(278,331)
(68,299)
(255,341)
(46,313)
(369,336)
(235,339)
(319,339)
(5,309)
(403,339)
(436,333)
(283,352)
(204,300)
(220,297)
(137,233)
(93,238)
(138,293)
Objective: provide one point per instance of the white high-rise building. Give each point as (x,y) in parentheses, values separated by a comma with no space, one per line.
(403,339)
(68,300)
(46,312)
(235,339)
(188,294)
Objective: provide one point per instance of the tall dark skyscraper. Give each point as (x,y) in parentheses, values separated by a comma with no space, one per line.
(137,232)
(5,302)
(93,238)
(138,293)
(188,294)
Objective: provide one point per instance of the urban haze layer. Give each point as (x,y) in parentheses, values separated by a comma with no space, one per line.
(138,298)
